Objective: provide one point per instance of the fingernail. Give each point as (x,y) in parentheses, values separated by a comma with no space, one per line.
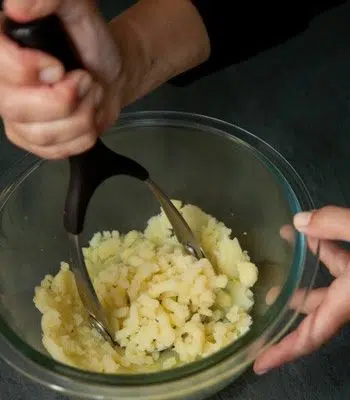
(98,96)
(262,372)
(84,85)
(302,220)
(51,74)
(272,295)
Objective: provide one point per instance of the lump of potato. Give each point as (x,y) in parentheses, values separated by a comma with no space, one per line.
(165,306)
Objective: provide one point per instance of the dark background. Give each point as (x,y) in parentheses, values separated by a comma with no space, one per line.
(296,97)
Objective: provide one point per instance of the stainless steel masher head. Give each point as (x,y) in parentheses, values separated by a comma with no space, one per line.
(90,169)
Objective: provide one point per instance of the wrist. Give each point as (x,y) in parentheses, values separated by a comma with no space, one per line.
(134,60)
(157,40)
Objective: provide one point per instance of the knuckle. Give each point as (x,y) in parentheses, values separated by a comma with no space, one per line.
(38,136)
(80,146)
(66,102)
(325,209)
(14,138)
(88,141)
(22,73)
(54,153)
(64,151)
(10,132)
(64,109)
(86,121)
(11,110)
(17,66)
(21,76)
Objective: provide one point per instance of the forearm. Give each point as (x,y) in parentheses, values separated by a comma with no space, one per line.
(158,39)
(162,39)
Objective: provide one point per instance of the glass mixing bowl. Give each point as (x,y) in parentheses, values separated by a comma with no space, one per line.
(223,169)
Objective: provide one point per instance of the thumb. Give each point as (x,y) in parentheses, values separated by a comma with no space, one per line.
(330,222)
(27,10)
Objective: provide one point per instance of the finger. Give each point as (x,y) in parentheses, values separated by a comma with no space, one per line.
(330,222)
(27,10)
(44,103)
(272,295)
(306,302)
(61,151)
(336,259)
(68,149)
(21,66)
(287,232)
(303,301)
(316,329)
(52,135)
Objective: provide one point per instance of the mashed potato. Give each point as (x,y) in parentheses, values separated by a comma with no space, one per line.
(166,307)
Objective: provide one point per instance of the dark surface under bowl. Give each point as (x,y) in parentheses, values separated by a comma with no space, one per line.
(302,90)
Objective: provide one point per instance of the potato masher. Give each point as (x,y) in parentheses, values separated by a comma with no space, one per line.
(90,169)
